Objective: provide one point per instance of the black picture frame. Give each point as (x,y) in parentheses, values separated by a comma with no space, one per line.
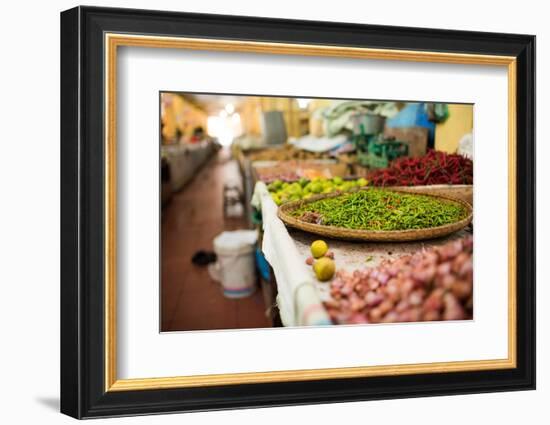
(83,392)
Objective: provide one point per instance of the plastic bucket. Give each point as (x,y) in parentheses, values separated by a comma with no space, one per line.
(235,268)
(365,123)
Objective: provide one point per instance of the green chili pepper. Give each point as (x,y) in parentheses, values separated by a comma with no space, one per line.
(376,209)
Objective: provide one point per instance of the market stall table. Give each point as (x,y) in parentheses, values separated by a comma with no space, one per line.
(185,160)
(357,255)
(300,295)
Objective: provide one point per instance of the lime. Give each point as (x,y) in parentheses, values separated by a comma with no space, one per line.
(324,269)
(316,187)
(362,182)
(319,248)
(294,189)
(275,185)
(303,182)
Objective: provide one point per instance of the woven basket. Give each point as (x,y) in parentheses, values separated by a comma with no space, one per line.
(464,192)
(372,235)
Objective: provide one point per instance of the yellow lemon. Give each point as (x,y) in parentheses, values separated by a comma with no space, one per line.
(319,248)
(324,269)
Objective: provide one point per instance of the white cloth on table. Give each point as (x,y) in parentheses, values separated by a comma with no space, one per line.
(298,300)
(319,144)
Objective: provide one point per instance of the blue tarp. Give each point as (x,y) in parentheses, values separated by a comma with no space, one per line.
(413,115)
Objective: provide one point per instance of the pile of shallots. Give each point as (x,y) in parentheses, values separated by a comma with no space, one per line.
(435,284)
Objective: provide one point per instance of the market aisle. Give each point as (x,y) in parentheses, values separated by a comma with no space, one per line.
(191,300)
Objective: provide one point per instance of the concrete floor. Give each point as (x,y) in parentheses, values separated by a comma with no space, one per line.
(190,299)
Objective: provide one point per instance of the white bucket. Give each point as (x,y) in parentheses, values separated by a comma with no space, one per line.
(235,268)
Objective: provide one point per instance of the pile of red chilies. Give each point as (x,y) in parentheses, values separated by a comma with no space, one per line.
(433,168)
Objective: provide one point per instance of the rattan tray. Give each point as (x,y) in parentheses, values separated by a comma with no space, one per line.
(372,235)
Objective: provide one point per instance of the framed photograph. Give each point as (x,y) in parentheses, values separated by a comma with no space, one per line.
(261,212)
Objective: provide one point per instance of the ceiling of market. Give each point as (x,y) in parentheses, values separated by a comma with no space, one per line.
(213,104)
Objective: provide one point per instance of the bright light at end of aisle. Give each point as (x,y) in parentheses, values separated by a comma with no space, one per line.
(229,108)
(225,128)
(303,103)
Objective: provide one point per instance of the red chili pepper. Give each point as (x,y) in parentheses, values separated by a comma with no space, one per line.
(433,168)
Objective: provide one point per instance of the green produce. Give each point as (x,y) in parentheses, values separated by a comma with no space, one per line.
(378,209)
(275,185)
(282,192)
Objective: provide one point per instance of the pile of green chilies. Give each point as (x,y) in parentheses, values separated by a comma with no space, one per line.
(378,209)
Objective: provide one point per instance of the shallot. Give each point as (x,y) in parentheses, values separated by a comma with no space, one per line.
(433,284)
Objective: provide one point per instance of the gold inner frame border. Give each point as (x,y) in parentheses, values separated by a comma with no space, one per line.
(111,43)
